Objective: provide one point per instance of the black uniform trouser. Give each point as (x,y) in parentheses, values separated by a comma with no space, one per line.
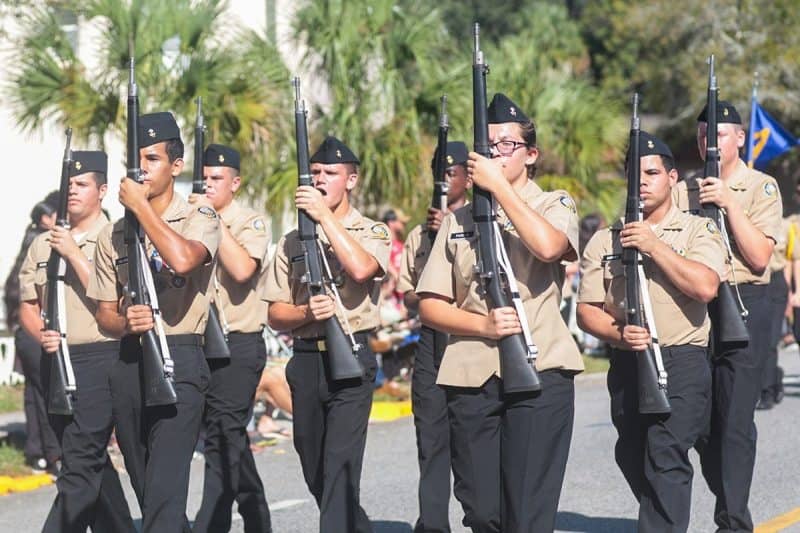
(89,491)
(429,403)
(40,440)
(509,452)
(652,451)
(158,442)
(778,291)
(229,406)
(330,432)
(728,453)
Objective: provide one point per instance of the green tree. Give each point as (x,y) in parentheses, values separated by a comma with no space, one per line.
(384,65)
(580,129)
(183,49)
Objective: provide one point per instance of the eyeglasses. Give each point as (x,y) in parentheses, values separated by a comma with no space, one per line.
(507,147)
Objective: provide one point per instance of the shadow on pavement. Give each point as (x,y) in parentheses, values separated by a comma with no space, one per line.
(391,526)
(566,521)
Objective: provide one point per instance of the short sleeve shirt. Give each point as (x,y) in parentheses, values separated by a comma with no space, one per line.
(759,197)
(81,326)
(240,304)
(183,300)
(679,319)
(416,250)
(450,272)
(778,259)
(286,272)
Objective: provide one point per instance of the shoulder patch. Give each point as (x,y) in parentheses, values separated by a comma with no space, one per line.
(258,225)
(680,251)
(711,227)
(567,202)
(770,189)
(379,231)
(207,211)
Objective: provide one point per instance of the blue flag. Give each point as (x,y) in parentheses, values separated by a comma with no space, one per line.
(767,139)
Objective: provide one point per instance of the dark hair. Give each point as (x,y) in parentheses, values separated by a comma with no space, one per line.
(174,148)
(99,178)
(528,132)
(588,226)
(669,163)
(11,291)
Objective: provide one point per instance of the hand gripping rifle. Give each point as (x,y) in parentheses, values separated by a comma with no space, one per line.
(652,376)
(341,346)
(726,311)
(157,365)
(215,337)
(517,352)
(440,186)
(62,378)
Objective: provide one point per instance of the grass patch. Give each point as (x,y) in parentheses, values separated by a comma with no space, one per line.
(595,364)
(11,398)
(12,461)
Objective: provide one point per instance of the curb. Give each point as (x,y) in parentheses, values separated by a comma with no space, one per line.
(389,411)
(24,483)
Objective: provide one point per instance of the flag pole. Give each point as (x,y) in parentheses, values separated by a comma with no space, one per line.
(751,141)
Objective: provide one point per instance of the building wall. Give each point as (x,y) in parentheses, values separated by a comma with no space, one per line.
(32,163)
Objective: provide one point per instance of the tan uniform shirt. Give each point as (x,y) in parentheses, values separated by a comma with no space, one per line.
(416,251)
(449,272)
(183,299)
(778,259)
(792,237)
(286,271)
(81,325)
(759,197)
(240,304)
(679,319)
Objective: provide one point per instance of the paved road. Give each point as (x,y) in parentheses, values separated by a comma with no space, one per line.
(595,497)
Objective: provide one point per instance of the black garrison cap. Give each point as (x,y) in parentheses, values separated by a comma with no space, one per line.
(156,128)
(726,113)
(333,151)
(217,155)
(88,161)
(502,109)
(652,145)
(457,154)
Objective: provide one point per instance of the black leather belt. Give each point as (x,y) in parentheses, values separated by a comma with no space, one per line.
(91,347)
(317,344)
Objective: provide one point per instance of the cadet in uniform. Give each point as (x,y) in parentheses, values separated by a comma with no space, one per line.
(428,400)
(778,290)
(181,241)
(230,471)
(509,451)
(89,491)
(683,257)
(330,417)
(752,205)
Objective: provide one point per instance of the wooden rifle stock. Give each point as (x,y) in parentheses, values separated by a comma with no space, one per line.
(59,397)
(341,351)
(158,388)
(215,344)
(652,393)
(516,363)
(727,319)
